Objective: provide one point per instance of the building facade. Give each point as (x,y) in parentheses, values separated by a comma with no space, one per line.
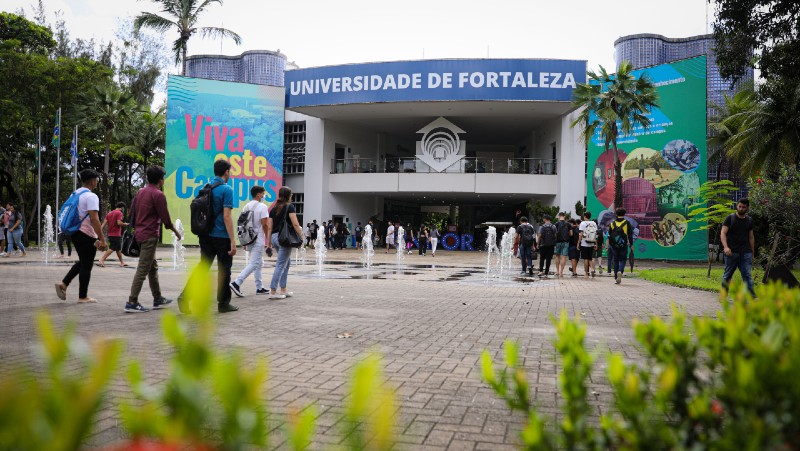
(260,67)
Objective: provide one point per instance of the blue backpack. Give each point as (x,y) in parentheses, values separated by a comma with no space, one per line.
(68,220)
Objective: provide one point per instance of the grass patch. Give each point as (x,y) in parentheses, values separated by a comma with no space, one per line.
(696,277)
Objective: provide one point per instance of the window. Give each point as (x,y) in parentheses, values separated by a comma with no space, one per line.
(298,202)
(294,148)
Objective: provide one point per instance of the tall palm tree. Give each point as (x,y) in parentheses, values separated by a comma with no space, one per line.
(614,104)
(105,107)
(727,123)
(770,132)
(182,16)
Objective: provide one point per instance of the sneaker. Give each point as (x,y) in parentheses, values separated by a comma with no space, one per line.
(523,272)
(236,290)
(226,308)
(592,273)
(161,303)
(277,296)
(135,308)
(3,254)
(619,278)
(262,291)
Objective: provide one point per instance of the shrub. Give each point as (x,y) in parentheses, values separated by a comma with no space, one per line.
(729,382)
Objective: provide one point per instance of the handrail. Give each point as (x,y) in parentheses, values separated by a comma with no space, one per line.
(466,165)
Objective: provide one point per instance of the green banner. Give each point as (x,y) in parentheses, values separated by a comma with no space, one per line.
(662,167)
(208,120)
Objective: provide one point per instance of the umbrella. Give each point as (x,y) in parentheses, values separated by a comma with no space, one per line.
(632,259)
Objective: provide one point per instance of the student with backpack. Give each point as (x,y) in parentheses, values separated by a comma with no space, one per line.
(547,245)
(213,225)
(79,218)
(254,226)
(588,243)
(525,241)
(620,238)
(561,250)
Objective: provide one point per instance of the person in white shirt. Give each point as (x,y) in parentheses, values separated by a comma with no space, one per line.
(389,237)
(87,240)
(588,243)
(263,224)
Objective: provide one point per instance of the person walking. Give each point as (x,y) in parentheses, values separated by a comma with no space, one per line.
(547,244)
(148,212)
(422,239)
(620,238)
(561,249)
(283,214)
(61,241)
(359,231)
(314,231)
(409,238)
(263,226)
(115,224)
(3,231)
(87,240)
(220,242)
(14,233)
(434,237)
(573,250)
(588,242)
(524,242)
(308,234)
(390,237)
(739,245)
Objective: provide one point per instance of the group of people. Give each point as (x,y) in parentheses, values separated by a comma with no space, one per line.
(149,212)
(419,237)
(11,222)
(571,240)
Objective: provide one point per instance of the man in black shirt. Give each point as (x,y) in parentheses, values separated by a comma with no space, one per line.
(739,245)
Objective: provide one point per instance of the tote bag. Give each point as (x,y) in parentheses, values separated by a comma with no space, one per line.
(130,248)
(288,236)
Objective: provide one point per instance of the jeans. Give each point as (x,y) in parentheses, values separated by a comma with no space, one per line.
(254,265)
(84,246)
(281,266)
(213,247)
(15,236)
(423,246)
(617,259)
(744,262)
(526,255)
(147,269)
(62,240)
(545,257)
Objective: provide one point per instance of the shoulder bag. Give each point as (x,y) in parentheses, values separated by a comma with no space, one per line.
(130,248)
(288,236)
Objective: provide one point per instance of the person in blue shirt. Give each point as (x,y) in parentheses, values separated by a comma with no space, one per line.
(220,243)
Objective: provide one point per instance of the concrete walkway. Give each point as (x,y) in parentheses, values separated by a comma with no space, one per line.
(430,318)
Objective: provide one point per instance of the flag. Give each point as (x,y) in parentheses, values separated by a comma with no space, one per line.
(73,148)
(56,141)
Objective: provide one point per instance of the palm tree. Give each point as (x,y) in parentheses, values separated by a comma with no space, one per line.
(183,16)
(727,123)
(770,131)
(146,135)
(614,104)
(105,107)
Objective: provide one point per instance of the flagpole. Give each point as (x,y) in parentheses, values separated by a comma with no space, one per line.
(75,162)
(39,186)
(58,158)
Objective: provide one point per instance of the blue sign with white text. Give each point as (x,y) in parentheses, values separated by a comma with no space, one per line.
(435,80)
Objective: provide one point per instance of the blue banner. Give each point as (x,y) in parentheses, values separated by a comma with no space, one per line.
(435,80)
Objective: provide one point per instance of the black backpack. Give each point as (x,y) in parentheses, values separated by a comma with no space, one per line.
(562,231)
(202,210)
(617,236)
(548,235)
(527,235)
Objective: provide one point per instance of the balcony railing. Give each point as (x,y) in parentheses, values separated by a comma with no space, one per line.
(468,165)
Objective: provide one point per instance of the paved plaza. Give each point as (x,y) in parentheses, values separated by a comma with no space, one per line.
(430,319)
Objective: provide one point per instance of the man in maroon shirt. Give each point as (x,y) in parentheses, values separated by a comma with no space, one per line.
(149,211)
(115,225)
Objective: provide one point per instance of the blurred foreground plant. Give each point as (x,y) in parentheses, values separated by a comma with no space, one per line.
(729,382)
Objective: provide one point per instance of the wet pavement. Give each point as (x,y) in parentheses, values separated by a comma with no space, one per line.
(429,317)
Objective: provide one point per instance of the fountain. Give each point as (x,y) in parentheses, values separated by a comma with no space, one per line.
(178,259)
(507,250)
(320,251)
(300,255)
(401,244)
(368,251)
(491,251)
(48,238)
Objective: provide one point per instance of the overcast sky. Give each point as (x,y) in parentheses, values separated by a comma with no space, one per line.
(327,32)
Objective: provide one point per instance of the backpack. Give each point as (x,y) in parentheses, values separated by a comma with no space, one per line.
(617,234)
(358,230)
(245,228)
(68,220)
(527,234)
(590,232)
(548,235)
(562,231)
(202,210)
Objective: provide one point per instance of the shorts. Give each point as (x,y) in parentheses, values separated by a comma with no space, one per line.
(115,243)
(562,248)
(587,253)
(573,253)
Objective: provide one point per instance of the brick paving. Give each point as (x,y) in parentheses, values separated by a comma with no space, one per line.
(429,319)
